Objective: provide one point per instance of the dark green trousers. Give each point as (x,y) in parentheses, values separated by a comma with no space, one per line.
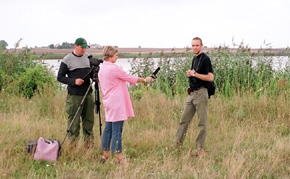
(85,115)
(196,102)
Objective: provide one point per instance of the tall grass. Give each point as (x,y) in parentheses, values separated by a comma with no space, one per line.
(243,71)
(235,72)
(247,138)
(248,132)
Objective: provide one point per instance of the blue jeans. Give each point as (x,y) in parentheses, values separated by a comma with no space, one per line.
(112,136)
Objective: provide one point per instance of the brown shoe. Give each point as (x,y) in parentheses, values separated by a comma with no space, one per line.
(174,146)
(199,153)
(89,142)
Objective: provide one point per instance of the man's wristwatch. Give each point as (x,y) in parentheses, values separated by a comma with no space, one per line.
(193,74)
(145,80)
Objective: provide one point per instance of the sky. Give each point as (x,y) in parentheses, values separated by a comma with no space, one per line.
(146,23)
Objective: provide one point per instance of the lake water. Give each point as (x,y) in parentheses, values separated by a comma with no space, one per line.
(53,64)
(125,63)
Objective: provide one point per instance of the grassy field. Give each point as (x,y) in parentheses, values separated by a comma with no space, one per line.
(248,131)
(248,137)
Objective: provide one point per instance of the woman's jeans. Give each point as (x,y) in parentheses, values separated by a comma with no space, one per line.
(112,136)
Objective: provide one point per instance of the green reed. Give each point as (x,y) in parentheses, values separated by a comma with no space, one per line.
(243,71)
(236,72)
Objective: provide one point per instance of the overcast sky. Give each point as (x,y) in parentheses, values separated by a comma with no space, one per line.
(146,23)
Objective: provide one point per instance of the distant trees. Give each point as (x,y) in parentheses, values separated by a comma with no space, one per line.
(51,46)
(3,44)
(64,45)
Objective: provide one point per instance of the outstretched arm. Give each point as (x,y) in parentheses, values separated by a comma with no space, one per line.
(143,80)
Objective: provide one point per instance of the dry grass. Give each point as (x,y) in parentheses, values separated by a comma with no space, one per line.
(248,137)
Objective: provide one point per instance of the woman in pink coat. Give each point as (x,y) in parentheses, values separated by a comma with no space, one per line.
(116,102)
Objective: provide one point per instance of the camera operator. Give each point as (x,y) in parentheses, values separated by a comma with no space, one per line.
(116,102)
(73,71)
(200,75)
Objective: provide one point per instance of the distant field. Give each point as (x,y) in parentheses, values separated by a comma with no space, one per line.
(99,50)
(47,53)
(138,50)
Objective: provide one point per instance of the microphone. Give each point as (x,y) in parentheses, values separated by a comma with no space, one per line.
(153,75)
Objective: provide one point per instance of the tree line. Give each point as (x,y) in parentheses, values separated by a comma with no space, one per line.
(3,44)
(64,45)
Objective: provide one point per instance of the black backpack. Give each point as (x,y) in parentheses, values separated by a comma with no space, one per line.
(211,89)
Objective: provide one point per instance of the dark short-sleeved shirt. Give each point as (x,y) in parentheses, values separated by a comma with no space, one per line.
(202,65)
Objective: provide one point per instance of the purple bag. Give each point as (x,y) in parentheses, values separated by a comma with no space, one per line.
(47,150)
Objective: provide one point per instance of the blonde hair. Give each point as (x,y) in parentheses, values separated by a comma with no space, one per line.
(109,51)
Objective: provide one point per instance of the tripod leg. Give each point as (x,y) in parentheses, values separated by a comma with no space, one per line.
(80,105)
(98,104)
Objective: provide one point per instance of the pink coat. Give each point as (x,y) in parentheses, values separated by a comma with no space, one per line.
(116,98)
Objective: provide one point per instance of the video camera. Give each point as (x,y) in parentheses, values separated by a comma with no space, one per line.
(95,65)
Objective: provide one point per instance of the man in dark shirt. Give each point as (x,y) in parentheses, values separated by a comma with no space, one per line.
(73,71)
(200,75)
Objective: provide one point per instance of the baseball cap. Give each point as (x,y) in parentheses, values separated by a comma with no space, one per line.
(82,42)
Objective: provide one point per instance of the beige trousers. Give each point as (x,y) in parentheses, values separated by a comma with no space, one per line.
(196,102)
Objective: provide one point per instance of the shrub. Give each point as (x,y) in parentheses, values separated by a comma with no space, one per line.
(16,63)
(1,79)
(33,80)
(23,74)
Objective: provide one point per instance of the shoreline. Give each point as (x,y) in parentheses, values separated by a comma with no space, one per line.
(143,52)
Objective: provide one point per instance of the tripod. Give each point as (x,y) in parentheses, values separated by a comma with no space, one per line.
(97,103)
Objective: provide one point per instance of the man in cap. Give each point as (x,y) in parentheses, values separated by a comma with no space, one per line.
(73,72)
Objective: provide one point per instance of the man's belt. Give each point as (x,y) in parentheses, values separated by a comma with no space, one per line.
(189,90)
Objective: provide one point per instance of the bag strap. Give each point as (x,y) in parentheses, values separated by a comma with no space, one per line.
(47,141)
(193,62)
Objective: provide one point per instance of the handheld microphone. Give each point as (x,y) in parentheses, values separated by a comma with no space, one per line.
(153,75)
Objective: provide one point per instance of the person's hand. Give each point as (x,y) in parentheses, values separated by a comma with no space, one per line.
(148,79)
(79,81)
(190,73)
